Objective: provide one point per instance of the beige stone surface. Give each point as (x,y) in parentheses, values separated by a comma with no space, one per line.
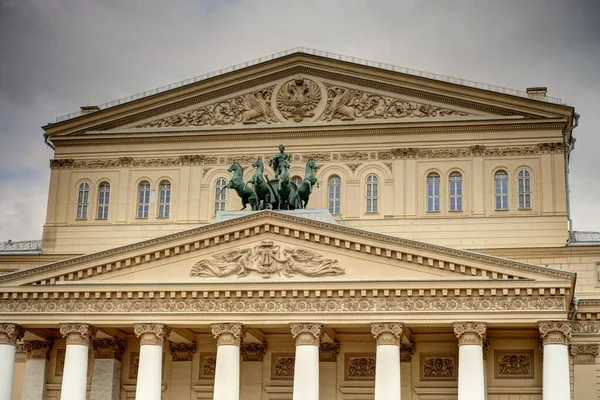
(106,380)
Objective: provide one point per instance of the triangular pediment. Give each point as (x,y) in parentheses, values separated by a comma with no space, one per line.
(270,247)
(306,90)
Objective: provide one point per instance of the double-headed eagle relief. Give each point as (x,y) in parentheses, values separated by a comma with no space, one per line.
(267,259)
(302,100)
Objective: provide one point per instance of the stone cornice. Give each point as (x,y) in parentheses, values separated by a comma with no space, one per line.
(323,158)
(277,223)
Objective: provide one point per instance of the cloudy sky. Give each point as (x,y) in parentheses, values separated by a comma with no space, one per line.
(56,55)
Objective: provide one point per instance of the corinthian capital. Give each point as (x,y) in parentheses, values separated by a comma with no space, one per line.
(306,333)
(555,332)
(38,349)
(151,334)
(584,353)
(387,332)
(111,349)
(229,333)
(470,333)
(77,333)
(10,333)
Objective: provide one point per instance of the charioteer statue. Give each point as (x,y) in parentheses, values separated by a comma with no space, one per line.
(279,193)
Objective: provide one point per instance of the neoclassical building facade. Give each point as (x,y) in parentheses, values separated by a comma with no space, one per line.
(434,260)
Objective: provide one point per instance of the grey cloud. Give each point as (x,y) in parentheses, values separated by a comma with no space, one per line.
(57,55)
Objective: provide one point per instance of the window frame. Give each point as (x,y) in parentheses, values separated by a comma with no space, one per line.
(146,204)
(164,204)
(103,201)
(220,198)
(431,195)
(372,194)
(503,192)
(83,201)
(453,185)
(527,194)
(336,201)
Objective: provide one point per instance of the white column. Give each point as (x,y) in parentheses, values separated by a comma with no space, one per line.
(471,380)
(34,381)
(74,383)
(9,334)
(227,369)
(387,364)
(306,366)
(106,376)
(149,380)
(556,380)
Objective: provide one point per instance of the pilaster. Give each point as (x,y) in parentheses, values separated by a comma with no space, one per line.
(106,377)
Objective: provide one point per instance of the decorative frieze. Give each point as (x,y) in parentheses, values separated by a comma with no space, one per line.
(407,351)
(354,156)
(306,333)
(282,365)
(182,351)
(470,333)
(267,259)
(11,333)
(584,353)
(359,366)
(111,349)
(253,351)
(555,332)
(328,352)
(76,333)
(228,334)
(387,333)
(38,349)
(208,365)
(514,364)
(151,334)
(439,367)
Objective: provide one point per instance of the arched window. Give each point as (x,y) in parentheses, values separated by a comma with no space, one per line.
(297,180)
(455,191)
(83,199)
(524,189)
(164,199)
(501,190)
(372,193)
(334,187)
(220,194)
(103,200)
(433,192)
(143,199)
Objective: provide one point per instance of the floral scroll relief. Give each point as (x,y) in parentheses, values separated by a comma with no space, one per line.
(267,259)
(347,104)
(251,108)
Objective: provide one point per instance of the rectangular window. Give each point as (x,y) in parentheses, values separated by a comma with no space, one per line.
(103,200)
(433,193)
(143,200)
(456,192)
(501,190)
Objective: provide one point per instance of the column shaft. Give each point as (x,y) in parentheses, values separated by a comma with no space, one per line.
(306,366)
(9,334)
(227,369)
(387,367)
(149,380)
(556,381)
(471,379)
(74,383)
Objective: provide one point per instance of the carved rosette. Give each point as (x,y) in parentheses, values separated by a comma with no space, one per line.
(328,352)
(387,333)
(182,351)
(228,334)
(151,334)
(555,332)
(469,333)
(37,349)
(77,333)
(306,334)
(10,333)
(253,351)
(584,353)
(110,349)
(406,352)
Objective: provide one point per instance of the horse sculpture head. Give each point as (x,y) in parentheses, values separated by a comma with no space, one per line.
(234,167)
(312,165)
(257,163)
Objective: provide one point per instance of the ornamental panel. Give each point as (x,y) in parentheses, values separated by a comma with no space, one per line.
(514,364)
(208,365)
(282,365)
(359,366)
(439,367)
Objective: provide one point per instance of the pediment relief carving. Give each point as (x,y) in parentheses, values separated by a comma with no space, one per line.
(302,99)
(267,259)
